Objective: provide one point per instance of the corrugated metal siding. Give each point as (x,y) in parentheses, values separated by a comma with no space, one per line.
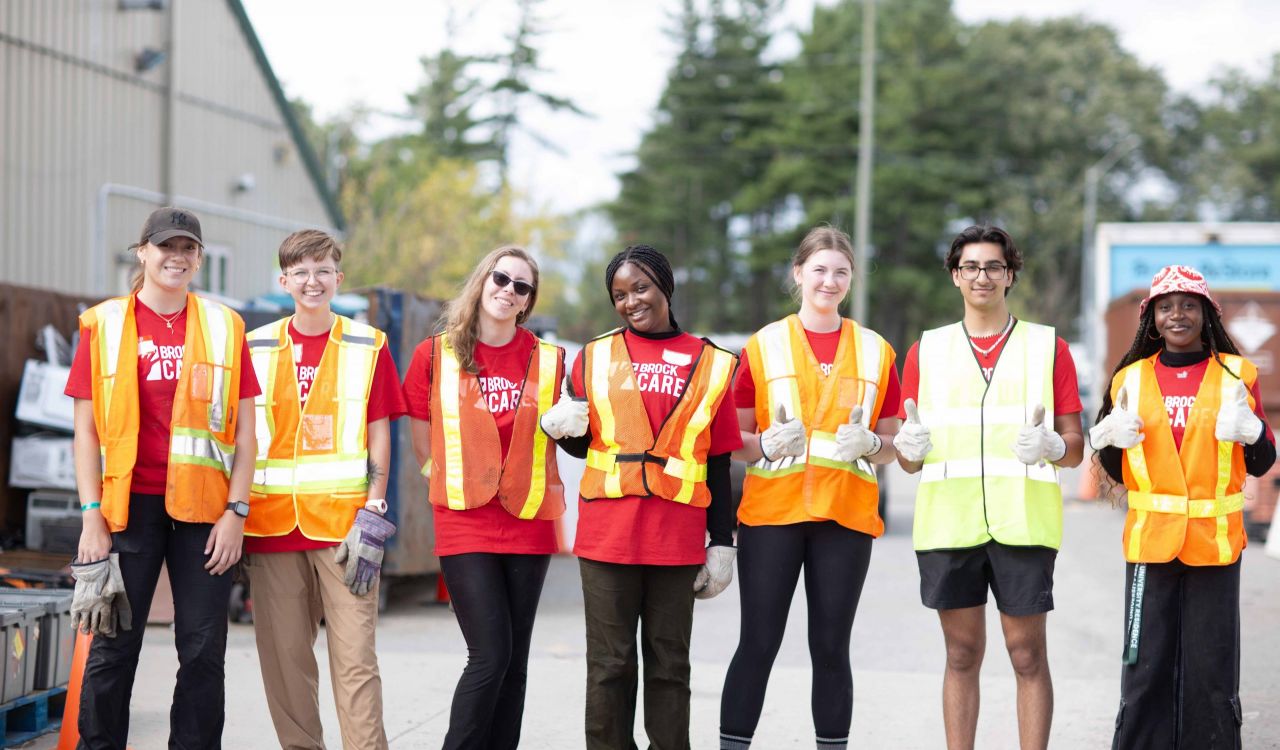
(75,117)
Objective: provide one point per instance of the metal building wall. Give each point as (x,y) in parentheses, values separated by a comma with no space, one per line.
(82,157)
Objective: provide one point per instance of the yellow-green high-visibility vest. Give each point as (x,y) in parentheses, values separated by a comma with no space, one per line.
(973,489)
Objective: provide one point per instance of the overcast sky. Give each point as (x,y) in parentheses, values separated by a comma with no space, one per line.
(611,58)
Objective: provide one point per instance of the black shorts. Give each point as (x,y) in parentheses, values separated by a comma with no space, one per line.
(1020,577)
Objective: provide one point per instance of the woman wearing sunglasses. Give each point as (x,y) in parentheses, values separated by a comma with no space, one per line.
(656,429)
(475,393)
(817,402)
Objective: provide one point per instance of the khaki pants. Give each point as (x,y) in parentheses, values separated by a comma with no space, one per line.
(291,592)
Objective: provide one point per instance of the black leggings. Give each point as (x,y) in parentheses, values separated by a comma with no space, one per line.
(835,561)
(495,598)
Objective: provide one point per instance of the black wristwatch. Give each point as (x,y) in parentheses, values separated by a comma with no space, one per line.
(239,507)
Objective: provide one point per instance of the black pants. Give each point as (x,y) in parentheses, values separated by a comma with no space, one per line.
(200,628)
(495,598)
(835,561)
(659,600)
(1183,692)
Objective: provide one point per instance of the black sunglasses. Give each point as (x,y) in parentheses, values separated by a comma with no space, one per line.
(522,288)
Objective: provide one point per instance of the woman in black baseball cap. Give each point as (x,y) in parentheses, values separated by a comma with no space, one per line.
(164,457)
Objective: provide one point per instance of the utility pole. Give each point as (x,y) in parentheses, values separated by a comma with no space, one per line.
(1090,328)
(866,136)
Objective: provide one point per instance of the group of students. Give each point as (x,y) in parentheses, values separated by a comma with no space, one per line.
(172,469)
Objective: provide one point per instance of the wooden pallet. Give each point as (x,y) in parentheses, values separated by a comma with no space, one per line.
(32,715)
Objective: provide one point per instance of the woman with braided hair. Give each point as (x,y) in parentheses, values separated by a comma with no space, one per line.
(1180,427)
(653,419)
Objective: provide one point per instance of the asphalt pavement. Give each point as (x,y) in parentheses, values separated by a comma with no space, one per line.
(897,659)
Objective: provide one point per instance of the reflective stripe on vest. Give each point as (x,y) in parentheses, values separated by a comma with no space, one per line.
(1162,504)
(465,439)
(312,470)
(972,488)
(615,469)
(202,423)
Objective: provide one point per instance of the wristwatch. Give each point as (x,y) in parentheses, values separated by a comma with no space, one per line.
(239,507)
(377,505)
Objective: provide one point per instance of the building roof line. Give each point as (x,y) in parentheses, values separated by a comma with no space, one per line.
(309,158)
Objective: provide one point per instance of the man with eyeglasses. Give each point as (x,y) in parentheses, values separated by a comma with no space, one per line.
(316,529)
(992,409)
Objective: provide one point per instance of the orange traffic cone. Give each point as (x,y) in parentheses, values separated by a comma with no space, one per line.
(69,736)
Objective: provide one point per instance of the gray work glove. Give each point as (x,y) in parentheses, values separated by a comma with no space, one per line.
(362,550)
(784,437)
(913,441)
(568,417)
(99,604)
(716,574)
(1121,428)
(1236,421)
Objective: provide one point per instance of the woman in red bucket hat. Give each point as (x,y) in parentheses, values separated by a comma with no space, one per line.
(1179,428)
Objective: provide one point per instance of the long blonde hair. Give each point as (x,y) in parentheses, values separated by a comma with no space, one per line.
(461,314)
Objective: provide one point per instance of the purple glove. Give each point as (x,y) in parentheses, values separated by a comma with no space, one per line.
(362,550)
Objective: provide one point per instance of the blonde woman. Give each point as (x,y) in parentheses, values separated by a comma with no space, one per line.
(163,466)
(475,394)
(817,403)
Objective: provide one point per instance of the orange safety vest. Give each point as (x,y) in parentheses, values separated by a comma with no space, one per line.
(312,471)
(1185,503)
(202,428)
(467,468)
(787,374)
(624,458)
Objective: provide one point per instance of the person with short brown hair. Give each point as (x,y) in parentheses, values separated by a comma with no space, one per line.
(319,518)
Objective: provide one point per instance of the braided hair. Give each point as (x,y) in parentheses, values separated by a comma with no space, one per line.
(651,263)
(1147,342)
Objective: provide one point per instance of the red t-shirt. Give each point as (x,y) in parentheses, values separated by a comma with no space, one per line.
(488,528)
(1066,392)
(824,346)
(651,530)
(385,402)
(159,365)
(1179,386)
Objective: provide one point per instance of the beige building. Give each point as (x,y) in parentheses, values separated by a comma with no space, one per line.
(109,108)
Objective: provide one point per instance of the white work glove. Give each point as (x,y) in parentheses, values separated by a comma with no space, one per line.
(99,603)
(785,437)
(1236,421)
(1121,428)
(567,417)
(853,440)
(716,574)
(912,440)
(1036,443)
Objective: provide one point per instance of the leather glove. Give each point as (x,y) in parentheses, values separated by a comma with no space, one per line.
(99,604)
(1236,421)
(1036,443)
(785,437)
(1121,428)
(362,550)
(912,441)
(567,417)
(716,574)
(853,440)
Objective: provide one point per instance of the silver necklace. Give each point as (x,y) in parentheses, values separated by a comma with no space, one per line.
(1008,326)
(169,321)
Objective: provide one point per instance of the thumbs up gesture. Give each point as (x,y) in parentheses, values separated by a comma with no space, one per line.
(784,437)
(1121,428)
(1036,442)
(1236,421)
(854,440)
(567,417)
(912,440)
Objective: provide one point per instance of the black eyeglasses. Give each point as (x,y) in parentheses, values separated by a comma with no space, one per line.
(995,271)
(523,289)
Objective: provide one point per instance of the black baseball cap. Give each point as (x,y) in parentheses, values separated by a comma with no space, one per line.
(169,222)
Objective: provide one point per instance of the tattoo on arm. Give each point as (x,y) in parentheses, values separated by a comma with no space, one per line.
(375,471)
